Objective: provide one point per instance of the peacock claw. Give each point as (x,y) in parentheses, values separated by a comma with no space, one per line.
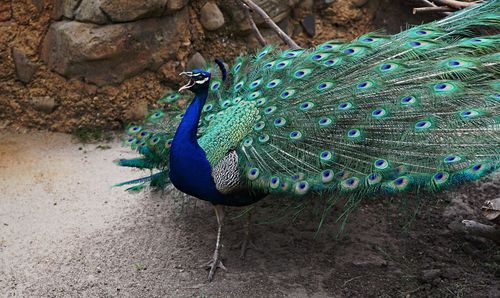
(213,265)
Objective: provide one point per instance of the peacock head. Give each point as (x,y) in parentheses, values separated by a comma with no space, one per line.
(199,80)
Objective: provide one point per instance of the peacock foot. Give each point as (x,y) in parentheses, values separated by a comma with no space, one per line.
(216,262)
(213,265)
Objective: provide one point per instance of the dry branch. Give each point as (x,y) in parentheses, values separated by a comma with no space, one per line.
(454,3)
(442,6)
(428,3)
(254,7)
(432,9)
(256,30)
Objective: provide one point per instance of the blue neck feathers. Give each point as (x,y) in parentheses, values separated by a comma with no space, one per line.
(188,128)
(190,170)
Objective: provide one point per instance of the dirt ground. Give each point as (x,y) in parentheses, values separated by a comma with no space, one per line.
(65,232)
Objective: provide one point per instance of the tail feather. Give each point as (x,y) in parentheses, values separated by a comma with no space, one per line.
(141,163)
(159,179)
(419,109)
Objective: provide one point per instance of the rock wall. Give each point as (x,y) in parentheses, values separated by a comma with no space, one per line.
(69,64)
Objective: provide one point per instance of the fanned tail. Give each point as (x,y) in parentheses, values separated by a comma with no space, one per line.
(417,110)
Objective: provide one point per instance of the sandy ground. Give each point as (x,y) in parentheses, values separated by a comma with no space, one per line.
(65,232)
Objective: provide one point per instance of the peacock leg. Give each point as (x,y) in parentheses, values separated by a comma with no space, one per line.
(216,262)
(247,242)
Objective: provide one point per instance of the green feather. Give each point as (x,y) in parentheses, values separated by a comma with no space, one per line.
(416,110)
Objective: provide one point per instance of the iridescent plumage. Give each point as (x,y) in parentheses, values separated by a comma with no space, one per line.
(417,110)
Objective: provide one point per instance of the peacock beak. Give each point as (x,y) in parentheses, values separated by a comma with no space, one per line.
(188,85)
(191,81)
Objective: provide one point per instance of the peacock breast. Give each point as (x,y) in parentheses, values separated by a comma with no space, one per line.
(227,130)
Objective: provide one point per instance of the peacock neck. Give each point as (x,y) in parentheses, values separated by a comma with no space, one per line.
(188,128)
(190,171)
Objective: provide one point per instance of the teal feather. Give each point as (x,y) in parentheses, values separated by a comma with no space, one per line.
(141,163)
(157,180)
(417,110)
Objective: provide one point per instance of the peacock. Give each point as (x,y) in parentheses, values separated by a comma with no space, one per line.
(415,111)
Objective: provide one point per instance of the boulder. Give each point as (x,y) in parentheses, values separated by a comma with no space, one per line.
(64,8)
(309,24)
(211,17)
(109,54)
(107,11)
(131,10)
(196,61)
(174,5)
(25,69)
(90,11)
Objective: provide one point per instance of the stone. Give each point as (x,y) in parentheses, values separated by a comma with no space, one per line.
(131,10)
(64,8)
(430,275)
(284,25)
(90,11)
(25,69)
(196,61)
(211,17)
(109,54)
(359,3)
(309,24)
(491,210)
(5,11)
(174,5)
(303,8)
(44,104)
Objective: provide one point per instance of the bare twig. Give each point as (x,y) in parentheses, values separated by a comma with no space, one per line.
(442,6)
(271,24)
(428,3)
(432,9)
(256,30)
(454,3)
